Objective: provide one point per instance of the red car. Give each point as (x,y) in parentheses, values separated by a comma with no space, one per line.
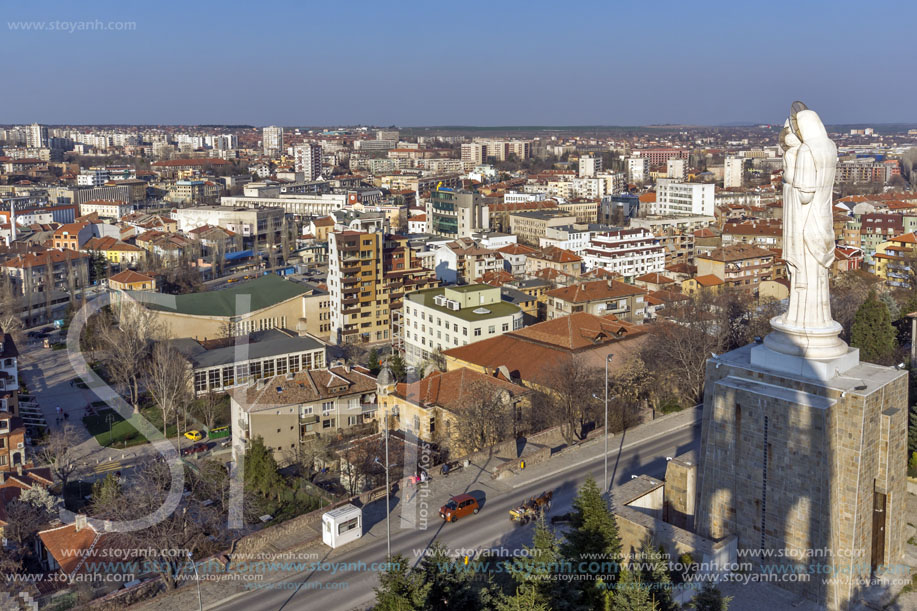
(459,507)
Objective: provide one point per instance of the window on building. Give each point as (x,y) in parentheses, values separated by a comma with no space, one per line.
(256,370)
(492,329)
(477,331)
(269,368)
(281,365)
(200,381)
(228,378)
(327,406)
(327,424)
(213,377)
(294,363)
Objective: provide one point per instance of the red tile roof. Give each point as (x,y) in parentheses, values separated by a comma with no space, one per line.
(595,290)
(452,389)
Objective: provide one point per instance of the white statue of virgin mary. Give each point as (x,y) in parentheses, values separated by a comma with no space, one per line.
(810,160)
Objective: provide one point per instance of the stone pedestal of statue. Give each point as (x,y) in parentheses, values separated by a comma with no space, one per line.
(815,353)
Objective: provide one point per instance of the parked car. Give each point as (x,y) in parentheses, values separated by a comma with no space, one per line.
(195,449)
(194,435)
(459,507)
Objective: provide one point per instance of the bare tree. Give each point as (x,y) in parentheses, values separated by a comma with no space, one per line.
(58,453)
(574,388)
(484,418)
(10,302)
(684,343)
(630,390)
(128,346)
(167,376)
(208,408)
(167,539)
(307,454)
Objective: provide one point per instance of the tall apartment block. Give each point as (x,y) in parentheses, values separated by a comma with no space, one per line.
(272,140)
(359,298)
(309,160)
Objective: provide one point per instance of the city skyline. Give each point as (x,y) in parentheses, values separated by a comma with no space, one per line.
(388,66)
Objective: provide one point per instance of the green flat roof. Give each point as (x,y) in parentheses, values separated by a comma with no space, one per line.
(501,308)
(264,292)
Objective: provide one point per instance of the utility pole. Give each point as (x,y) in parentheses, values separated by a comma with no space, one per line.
(605,457)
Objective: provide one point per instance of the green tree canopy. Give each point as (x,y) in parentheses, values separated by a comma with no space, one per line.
(593,537)
(873,332)
(261,472)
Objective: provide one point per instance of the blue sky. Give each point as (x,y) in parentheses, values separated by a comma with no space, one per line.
(499,62)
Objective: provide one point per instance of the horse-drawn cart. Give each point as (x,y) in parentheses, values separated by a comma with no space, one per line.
(532,508)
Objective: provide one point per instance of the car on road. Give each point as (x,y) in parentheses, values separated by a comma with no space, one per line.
(194,435)
(195,449)
(459,507)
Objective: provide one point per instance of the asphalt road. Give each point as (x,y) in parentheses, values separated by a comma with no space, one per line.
(351,586)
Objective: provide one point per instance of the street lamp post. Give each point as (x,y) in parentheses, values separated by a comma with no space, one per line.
(388,522)
(605,457)
(200,599)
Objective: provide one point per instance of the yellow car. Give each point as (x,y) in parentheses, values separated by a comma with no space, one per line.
(194,435)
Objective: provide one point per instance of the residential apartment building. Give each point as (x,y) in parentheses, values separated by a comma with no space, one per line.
(589,166)
(455,214)
(638,170)
(552,257)
(451,316)
(48,271)
(893,260)
(272,140)
(766,233)
(359,298)
(733,172)
(514,257)
(309,160)
(739,266)
(463,261)
(286,410)
(72,236)
(193,192)
(628,252)
(680,198)
(676,169)
(530,227)
(599,298)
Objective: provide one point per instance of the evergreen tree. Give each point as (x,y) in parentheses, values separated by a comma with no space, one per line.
(261,472)
(398,368)
(710,599)
(400,588)
(629,595)
(374,366)
(593,539)
(534,573)
(873,333)
(106,491)
(452,584)
(653,573)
